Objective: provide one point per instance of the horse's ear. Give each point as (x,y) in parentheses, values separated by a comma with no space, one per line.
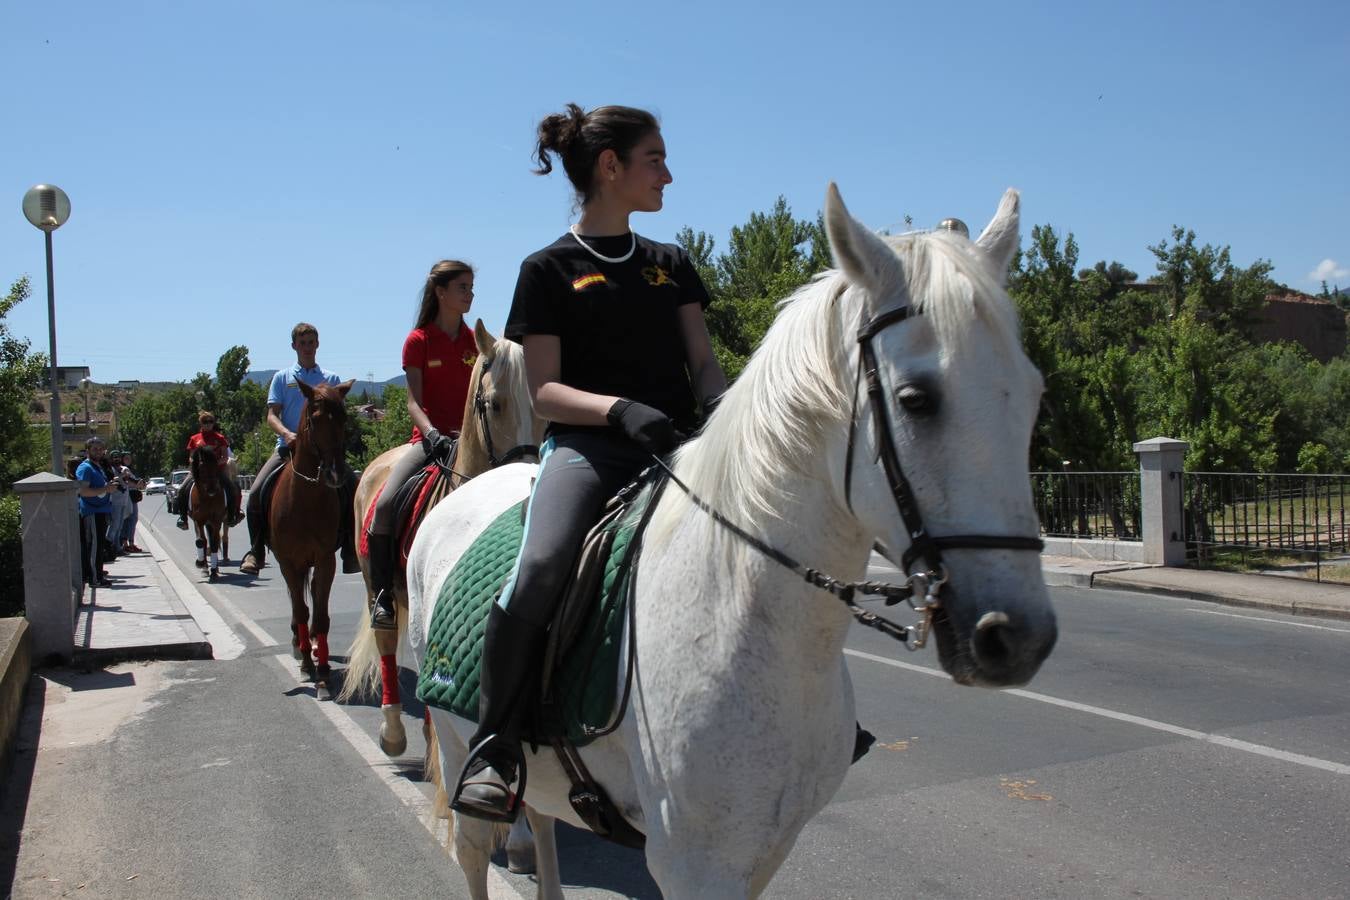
(305,389)
(483,338)
(346,386)
(1000,237)
(865,259)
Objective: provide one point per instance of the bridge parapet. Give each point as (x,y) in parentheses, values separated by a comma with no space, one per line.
(52,583)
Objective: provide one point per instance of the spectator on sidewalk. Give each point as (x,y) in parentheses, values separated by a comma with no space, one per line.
(95,512)
(135,491)
(121,501)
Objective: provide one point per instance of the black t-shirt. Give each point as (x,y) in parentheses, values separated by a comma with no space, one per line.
(617,322)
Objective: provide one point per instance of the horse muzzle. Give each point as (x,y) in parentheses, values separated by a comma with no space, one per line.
(999,648)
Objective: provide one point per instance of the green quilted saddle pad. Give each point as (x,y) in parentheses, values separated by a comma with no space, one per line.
(585,686)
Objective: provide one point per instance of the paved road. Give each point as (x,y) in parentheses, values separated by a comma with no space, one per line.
(1168,749)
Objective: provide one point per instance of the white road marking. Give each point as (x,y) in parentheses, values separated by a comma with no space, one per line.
(225,644)
(1221,740)
(387,772)
(1214,612)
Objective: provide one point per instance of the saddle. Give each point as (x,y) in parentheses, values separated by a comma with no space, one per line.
(412,501)
(575,702)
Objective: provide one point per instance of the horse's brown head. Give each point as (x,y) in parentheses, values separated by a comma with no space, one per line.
(202,465)
(322,430)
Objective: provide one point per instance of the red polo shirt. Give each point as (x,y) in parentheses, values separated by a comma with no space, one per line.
(446,363)
(216,441)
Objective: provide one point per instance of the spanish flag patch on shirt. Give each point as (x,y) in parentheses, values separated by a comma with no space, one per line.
(586,281)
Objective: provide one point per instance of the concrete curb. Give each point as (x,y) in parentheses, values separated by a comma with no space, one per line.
(1291,607)
(16,665)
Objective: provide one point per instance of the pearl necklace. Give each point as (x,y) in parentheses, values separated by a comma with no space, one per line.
(609,259)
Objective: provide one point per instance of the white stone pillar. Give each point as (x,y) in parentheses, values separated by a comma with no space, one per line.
(1161,462)
(51,563)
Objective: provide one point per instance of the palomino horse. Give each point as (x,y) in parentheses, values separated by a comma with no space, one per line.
(499,425)
(207,508)
(303,521)
(740,725)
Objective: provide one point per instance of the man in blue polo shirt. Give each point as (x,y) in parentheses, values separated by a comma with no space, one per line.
(284,403)
(95,512)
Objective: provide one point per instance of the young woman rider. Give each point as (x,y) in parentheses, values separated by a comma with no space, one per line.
(613,330)
(210,435)
(438,357)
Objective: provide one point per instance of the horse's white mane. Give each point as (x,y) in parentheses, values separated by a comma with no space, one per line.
(508,369)
(799,383)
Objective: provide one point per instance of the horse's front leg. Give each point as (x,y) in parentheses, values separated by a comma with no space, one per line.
(320,585)
(200,532)
(300,640)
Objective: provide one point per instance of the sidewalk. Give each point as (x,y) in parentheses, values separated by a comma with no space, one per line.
(152,611)
(1296,596)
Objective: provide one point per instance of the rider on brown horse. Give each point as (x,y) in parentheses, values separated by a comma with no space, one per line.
(284,403)
(210,435)
(438,357)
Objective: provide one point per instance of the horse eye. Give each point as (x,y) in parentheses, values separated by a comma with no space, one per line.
(916,400)
(496,406)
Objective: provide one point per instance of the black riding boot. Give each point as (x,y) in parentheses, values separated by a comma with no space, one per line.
(351,563)
(380,568)
(256,557)
(184,493)
(511,654)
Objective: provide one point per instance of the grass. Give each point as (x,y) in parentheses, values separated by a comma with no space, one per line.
(1335,570)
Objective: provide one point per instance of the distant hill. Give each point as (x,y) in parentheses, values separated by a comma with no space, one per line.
(376,388)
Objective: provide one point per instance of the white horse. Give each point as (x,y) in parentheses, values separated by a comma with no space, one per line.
(741,721)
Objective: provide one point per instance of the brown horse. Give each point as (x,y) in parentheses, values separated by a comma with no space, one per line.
(304,519)
(499,426)
(208,511)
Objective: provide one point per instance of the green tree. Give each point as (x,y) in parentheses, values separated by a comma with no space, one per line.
(21,373)
(1203,280)
(768,257)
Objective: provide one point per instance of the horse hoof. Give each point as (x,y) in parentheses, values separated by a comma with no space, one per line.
(199,563)
(323,691)
(307,668)
(520,862)
(213,575)
(393,746)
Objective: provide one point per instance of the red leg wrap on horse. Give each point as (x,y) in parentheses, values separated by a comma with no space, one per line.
(389,678)
(302,638)
(321,649)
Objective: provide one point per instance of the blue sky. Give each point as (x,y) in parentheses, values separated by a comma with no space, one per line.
(236,168)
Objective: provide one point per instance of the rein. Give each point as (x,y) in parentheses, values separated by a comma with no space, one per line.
(920,589)
(305,429)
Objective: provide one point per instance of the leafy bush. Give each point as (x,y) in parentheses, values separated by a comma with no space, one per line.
(11,557)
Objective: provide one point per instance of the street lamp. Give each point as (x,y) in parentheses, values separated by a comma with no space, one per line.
(48,208)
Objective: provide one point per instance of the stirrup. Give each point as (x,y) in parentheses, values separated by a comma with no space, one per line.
(383,616)
(507,813)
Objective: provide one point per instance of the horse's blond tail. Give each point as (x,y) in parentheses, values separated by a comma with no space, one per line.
(431,772)
(362,677)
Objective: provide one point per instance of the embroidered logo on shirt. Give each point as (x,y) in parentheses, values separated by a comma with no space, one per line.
(470,358)
(433,363)
(657,276)
(586,281)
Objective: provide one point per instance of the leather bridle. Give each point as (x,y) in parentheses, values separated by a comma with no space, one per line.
(480,407)
(922,545)
(920,589)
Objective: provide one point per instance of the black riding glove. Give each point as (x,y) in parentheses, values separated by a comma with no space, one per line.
(649,428)
(436,445)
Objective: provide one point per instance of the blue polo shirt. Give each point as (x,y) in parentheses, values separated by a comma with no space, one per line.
(285,392)
(93,476)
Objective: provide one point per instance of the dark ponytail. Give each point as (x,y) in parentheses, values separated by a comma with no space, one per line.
(578,138)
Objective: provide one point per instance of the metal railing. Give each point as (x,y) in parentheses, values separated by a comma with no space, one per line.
(1302,515)
(1095,505)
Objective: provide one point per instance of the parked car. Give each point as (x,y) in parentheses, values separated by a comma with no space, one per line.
(176,479)
(155,485)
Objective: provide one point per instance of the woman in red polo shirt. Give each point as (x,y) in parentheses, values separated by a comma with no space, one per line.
(209,435)
(438,358)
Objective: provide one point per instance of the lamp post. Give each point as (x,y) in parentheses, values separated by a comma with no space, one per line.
(48,208)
